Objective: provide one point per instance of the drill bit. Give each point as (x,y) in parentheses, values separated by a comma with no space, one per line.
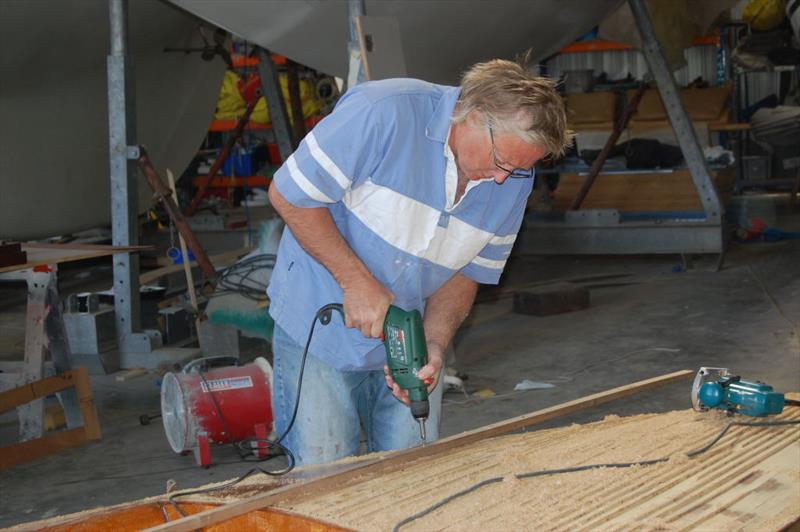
(422,433)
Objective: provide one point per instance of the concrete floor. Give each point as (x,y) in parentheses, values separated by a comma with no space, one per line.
(650,322)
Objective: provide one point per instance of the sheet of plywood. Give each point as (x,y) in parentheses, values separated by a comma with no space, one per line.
(750,480)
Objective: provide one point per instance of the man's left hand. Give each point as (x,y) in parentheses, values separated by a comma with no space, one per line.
(429,373)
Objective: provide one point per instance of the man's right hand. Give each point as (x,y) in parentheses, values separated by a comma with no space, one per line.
(366,302)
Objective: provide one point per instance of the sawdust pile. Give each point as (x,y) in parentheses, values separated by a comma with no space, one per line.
(655,497)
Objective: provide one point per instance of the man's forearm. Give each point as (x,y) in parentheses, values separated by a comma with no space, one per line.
(447,308)
(315,231)
(365,299)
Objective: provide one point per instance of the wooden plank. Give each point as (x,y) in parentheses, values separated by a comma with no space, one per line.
(219,261)
(130,374)
(729,126)
(42,446)
(86,247)
(91,423)
(187,271)
(638,192)
(402,459)
(19,453)
(35,390)
(692,490)
(48,254)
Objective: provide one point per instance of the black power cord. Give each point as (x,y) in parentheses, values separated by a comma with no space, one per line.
(237,278)
(246,447)
(547,472)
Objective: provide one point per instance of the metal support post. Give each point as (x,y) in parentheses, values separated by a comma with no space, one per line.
(124,204)
(355,74)
(684,131)
(276,104)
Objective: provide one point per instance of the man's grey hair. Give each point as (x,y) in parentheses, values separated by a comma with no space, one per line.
(512,100)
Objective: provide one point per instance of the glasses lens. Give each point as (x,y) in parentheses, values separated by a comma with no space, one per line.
(519,173)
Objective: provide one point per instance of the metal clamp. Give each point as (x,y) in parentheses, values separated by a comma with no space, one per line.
(132,152)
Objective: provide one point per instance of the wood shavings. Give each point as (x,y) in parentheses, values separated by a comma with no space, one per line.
(591,499)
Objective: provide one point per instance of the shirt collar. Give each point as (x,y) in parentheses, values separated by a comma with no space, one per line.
(439,124)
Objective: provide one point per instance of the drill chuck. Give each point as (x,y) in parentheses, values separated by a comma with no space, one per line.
(420,409)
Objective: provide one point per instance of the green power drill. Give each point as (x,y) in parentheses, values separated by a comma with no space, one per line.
(406,354)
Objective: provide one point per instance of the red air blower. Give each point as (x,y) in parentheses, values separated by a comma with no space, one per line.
(222,405)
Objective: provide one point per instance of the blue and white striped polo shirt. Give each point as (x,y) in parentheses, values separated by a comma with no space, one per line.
(379,163)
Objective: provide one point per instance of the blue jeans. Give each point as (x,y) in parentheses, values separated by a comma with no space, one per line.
(335,405)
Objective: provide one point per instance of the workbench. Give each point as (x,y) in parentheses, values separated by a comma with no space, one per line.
(44,328)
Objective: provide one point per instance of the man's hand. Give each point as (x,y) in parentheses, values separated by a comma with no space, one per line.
(365,304)
(429,373)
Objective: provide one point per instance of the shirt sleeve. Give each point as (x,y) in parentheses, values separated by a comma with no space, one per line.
(341,150)
(488,265)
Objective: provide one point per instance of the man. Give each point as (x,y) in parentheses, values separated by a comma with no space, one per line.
(410,194)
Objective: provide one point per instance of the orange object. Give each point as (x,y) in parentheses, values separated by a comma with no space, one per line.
(706,40)
(247,61)
(599,45)
(595,45)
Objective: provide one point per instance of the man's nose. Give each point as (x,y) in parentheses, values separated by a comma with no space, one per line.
(500,177)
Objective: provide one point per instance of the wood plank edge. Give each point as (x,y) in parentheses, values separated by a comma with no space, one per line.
(19,453)
(25,393)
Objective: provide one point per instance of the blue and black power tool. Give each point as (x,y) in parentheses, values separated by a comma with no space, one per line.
(719,388)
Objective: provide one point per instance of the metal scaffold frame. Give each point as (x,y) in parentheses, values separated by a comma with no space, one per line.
(602,231)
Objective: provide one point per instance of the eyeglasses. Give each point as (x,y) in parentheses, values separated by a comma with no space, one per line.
(516,173)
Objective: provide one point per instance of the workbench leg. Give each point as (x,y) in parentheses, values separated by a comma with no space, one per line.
(31,414)
(58,346)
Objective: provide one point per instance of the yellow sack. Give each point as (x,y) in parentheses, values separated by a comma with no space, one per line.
(764,14)
(230,104)
(308,98)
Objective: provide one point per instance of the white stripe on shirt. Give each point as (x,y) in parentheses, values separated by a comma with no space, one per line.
(503,240)
(489,263)
(413,227)
(305,185)
(325,162)
(456,245)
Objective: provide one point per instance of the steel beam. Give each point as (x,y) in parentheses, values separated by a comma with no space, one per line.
(276,104)
(124,192)
(123,153)
(687,138)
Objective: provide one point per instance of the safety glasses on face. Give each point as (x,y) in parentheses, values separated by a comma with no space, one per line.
(515,173)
